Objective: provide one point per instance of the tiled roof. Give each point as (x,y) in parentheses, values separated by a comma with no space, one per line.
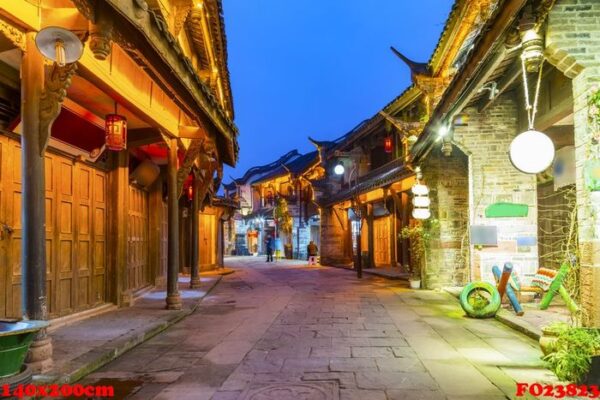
(257,172)
(296,166)
(385,175)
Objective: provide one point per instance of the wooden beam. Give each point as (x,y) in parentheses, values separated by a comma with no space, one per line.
(68,18)
(143,136)
(192,132)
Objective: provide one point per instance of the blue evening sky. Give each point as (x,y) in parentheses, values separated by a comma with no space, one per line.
(317,68)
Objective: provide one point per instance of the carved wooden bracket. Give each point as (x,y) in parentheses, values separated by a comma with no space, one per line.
(432,88)
(188,161)
(404,128)
(208,163)
(182,10)
(55,91)
(101,33)
(14,35)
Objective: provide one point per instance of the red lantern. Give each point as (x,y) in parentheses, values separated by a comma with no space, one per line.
(387,144)
(115,127)
(190,193)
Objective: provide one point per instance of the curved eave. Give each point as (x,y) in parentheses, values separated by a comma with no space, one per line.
(175,71)
(468,75)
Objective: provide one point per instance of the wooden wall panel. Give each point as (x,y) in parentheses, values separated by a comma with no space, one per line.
(75,232)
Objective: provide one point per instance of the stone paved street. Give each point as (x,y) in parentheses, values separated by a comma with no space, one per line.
(285,331)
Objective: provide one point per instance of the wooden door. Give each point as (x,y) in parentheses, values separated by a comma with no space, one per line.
(75,232)
(75,235)
(91,236)
(207,236)
(11,231)
(138,267)
(381,229)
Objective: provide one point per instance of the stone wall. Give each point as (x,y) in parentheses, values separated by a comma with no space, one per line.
(492,178)
(334,237)
(446,178)
(572,45)
(300,252)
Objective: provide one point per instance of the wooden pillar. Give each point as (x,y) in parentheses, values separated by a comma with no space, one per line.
(33,248)
(370,234)
(173,299)
(154,231)
(195,273)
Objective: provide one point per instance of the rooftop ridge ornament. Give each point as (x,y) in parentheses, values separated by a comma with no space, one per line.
(416,68)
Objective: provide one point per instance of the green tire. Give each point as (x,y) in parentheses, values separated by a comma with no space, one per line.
(487,310)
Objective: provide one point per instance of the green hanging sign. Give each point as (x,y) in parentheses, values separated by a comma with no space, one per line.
(503,210)
(591,175)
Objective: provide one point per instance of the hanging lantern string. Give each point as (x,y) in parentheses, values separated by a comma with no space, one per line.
(531,109)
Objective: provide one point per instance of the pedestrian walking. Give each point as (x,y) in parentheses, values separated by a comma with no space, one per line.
(313,252)
(269,243)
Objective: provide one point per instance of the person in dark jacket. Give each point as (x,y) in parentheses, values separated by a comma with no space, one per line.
(269,243)
(313,252)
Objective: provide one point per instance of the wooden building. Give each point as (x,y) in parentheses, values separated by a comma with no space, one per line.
(84,224)
(260,189)
(364,195)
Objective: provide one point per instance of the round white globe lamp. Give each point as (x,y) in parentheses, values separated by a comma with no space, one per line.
(339,169)
(531,152)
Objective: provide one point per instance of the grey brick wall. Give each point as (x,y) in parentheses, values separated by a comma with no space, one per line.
(573,46)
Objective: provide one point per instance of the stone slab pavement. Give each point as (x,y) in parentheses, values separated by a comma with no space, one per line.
(84,345)
(288,331)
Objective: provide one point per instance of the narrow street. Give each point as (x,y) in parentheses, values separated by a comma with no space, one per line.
(286,331)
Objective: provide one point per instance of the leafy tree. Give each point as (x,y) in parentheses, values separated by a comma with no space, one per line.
(283,218)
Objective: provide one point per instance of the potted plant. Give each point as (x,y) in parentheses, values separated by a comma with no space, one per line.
(576,356)
(550,335)
(15,339)
(418,235)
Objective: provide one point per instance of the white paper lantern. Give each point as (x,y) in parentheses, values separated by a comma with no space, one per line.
(421,201)
(421,213)
(531,152)
(420,190)
(338,169)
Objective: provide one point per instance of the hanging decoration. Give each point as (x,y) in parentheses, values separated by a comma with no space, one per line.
(115,127)
(387,144)
(420,199)
(532,151)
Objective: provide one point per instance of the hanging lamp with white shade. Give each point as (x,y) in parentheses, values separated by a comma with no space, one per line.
(532,151)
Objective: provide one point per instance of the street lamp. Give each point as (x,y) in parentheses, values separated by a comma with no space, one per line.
(339,169)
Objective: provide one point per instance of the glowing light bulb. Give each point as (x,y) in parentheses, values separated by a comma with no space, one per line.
(61,56)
